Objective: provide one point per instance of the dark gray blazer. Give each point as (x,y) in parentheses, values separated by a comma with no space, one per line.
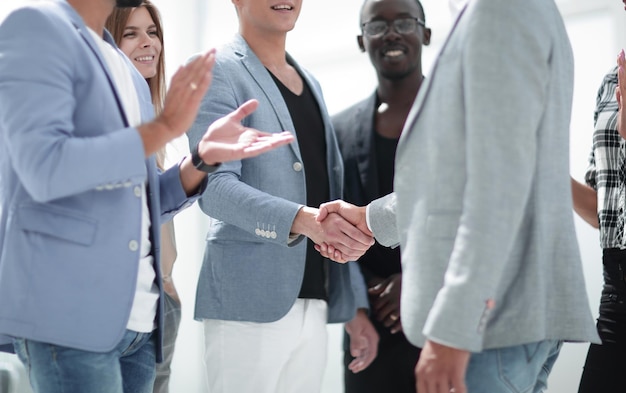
(354,128)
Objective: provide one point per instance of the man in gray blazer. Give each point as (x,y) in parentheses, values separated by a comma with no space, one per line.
(264,293)
(492,278)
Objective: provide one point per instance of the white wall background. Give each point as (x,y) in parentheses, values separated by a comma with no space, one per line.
(324,42)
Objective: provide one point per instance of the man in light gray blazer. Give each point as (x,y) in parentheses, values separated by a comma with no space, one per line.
(264,294)
(492,277)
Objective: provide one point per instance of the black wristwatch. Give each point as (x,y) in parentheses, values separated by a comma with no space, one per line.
(200,165)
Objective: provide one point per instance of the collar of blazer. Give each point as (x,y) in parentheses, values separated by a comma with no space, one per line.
(83,31)
(262,77)
(425,89)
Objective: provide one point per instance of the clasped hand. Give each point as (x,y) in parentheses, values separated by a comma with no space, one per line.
(330,230)
(347,214)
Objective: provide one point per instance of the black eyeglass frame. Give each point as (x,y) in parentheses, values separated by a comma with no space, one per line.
(388,24)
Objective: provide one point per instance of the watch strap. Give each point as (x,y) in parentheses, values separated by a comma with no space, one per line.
(200,165)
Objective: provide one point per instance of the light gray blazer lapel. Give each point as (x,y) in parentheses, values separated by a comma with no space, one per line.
(261,75)
(82,29)
(424,90)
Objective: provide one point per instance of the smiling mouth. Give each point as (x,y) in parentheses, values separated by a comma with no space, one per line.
(282,7)
(394,53)
(144,58)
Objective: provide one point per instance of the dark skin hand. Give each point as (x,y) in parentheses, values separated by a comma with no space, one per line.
(384,297)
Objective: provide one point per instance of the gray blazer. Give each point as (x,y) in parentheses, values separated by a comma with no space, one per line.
(251,271)
(484,209)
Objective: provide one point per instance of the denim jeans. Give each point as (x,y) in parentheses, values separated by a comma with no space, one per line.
(517,369)
(128,368)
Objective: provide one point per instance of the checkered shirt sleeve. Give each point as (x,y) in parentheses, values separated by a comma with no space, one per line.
(606,172)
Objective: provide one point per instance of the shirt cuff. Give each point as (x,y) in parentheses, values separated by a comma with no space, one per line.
(292,237)
(367,217)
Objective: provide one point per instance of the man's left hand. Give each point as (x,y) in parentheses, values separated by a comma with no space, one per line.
(363,341)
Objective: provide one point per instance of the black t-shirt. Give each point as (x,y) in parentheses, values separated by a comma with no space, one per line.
(309,128)
(379,260)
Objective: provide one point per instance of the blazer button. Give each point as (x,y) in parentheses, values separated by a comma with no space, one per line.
(273,235)
(297,166)
(137,191)
(258,232)
(133,245)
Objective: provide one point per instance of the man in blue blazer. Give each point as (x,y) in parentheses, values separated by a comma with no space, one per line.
(81,200)
(264,293)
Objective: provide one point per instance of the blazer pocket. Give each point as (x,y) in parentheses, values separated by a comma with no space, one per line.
(57,222)
(442,225)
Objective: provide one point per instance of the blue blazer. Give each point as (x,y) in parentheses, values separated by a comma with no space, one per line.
(251,272)
(71,172)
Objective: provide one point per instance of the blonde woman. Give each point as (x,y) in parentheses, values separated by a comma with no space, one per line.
(139,34)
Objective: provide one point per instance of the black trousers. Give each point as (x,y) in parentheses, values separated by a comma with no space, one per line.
(605,367)
(393,370)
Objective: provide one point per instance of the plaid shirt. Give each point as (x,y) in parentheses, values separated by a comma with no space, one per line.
(606,166)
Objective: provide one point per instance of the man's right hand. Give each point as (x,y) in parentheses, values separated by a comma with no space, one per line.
(385,300)
(351,213)
(335,231)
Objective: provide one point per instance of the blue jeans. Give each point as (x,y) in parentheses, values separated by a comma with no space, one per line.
(128,368)
(518,369)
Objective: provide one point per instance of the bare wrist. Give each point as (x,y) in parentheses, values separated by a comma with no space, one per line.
(302,222)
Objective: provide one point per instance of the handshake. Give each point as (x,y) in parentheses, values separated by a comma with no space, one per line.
(338,229)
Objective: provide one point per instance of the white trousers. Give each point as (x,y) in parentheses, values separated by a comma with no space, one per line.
(286,356)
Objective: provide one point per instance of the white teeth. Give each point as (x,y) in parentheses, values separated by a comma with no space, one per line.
(282,7)
(145,58)
(394,53)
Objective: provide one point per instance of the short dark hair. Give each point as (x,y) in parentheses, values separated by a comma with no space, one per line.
(419,4)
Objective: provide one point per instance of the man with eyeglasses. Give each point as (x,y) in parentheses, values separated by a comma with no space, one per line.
(392,34)
(492,280)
